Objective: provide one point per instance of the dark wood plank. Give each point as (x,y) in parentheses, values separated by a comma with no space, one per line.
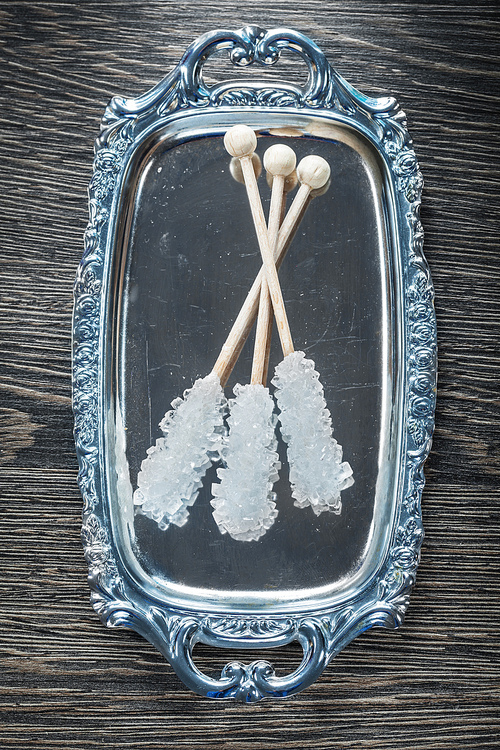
(67,681)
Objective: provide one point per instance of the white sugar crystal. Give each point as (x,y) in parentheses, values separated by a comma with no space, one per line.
(244,502)
(317,474)
(172,473)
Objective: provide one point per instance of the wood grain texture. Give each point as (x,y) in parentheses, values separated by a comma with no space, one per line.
(67,681)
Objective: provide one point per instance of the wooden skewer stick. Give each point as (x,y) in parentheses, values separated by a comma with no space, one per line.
(279,161)
(243,324)
(241,141)
(291,181)
(237,172)
(290,184)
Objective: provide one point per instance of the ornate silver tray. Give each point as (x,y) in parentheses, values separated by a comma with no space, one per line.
(170,254)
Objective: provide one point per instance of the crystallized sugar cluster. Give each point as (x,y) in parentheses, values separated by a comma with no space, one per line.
(172,473)
(244,500)
(244,503)
(317,474)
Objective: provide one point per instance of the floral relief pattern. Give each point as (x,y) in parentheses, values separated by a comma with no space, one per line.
(422,380)
(243,628)
(86,363)
(98,551)
(421,371)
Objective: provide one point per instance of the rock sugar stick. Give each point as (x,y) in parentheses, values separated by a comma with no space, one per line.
(317,473)
(244,503)
(173,470)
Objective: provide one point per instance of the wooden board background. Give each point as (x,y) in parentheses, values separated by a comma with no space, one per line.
(67,682)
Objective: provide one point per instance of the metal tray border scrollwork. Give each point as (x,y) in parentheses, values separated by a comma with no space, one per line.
(115,596)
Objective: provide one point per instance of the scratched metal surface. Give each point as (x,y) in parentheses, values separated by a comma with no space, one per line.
(190,260)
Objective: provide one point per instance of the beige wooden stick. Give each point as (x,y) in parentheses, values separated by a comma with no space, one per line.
(241,141)
(237,172)
(243,324)
(279,161)
(246,317)
(291,181)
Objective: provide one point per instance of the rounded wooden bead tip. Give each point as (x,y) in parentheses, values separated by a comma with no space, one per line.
(237,172)
(313,171)
(280,160)
(240,141)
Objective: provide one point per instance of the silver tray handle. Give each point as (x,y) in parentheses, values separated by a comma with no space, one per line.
(251,682)
(184,86)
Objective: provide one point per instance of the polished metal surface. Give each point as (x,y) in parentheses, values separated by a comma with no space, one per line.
(170,255)
(190,258)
